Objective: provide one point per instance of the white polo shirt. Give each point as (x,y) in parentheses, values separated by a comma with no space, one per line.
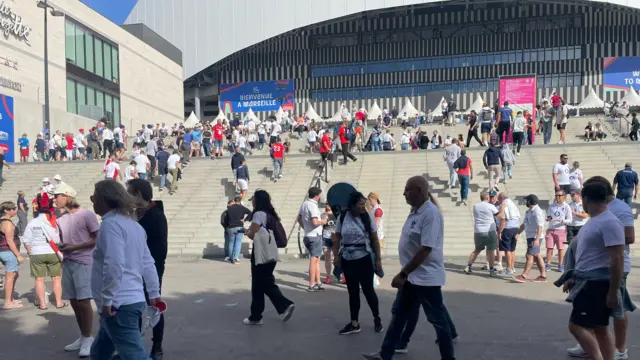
(424,227)
(308,211)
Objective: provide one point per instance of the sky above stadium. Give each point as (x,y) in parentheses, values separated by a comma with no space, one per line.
(115,10)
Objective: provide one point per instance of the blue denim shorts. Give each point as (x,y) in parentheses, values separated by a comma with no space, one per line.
(327,243)
(218,144)
(9,261)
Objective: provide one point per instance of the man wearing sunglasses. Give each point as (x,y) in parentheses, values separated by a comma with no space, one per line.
(561,178)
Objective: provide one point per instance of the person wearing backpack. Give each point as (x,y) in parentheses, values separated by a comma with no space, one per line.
(344,132)
(355,240)
(262,280)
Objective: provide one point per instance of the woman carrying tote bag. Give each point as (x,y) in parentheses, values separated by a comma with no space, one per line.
(264,257)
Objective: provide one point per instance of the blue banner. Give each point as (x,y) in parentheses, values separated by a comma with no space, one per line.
(620,73)
(257,96)
(7,139)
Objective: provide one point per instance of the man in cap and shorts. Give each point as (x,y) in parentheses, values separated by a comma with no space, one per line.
(485,235)
(532,226)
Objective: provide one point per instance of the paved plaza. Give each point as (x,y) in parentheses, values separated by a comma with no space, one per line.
(207,300)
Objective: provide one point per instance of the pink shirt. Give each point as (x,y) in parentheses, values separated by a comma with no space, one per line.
(76,229)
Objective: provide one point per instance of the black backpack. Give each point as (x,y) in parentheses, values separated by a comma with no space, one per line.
(279,232)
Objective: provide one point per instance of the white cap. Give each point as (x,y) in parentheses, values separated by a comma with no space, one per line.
(57,177)
(45,180)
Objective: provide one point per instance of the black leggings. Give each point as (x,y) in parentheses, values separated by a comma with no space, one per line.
(359,274)
(347,154)
(473,134)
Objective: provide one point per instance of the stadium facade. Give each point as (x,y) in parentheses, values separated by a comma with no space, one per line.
(360,51)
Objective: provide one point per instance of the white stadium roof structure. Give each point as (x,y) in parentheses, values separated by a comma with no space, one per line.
(208,32)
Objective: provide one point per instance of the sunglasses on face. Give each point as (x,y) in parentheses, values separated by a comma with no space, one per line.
(559,195)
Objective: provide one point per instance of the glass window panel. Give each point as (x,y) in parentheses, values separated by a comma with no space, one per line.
(70,42)
(563,80)
(81,94)
(475,60)
(570,80)
(91,96)
(100,99)
(483,86)
(534,55)
(554,80)
(427,64)
(518,57)
(563,53)
(107,62)
(455,62)
(512,57)
(115,64)
(108,105)
(442,62)
(72,106)
(571,54)
(548,54)
(577,80)
(540,82)
(99,59)
(578,50)
(483,59)
(456,87)
(547,81)
(556,54)
(88,52)
(490,59)
(541,55)
(80,61)
(505,58)
(526,56)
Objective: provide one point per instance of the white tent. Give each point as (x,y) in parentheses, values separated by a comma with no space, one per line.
(279,115)
(374,112)
(631,98)
(337,117)
(438,110)
(592,101)
(191,121)
(408,108)
(221,116)
(251,116)
(476,106)
(312,114)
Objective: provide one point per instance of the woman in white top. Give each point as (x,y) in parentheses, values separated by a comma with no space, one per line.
(404,141)
(130,173)
(44,261)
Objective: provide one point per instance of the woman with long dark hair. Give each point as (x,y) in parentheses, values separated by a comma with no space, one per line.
(356,240)
(262,280)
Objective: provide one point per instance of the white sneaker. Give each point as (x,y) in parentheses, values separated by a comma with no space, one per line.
(499,267)
(560,142)
(246,321)
(485,266)
(577,352)
(621,355)
(74,346)
(85,348)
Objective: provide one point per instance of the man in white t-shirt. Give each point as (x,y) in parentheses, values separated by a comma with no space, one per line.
(107,142)
(80,144)
(560,174)
(485,235)
(559,216)
(578,216)
(312,137)
(532,227)
(142,165)
(422,276)
(275,133)
(173,164)
(624,213)
(113,169)
(311,221)
(599,258)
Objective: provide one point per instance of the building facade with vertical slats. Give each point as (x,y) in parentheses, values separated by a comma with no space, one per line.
(386,53)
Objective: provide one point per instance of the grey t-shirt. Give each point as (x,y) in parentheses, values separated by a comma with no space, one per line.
(599,233)
(308,211)
(483,217)
(623,212)
(152,148)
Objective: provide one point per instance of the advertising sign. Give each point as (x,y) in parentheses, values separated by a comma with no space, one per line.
(258,96)
(520,92)
(7,140)
(620,73)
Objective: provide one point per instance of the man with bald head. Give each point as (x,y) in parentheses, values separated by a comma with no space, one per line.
(508,231)
(422,276)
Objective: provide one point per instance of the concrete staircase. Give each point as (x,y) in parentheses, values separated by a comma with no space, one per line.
(194,211)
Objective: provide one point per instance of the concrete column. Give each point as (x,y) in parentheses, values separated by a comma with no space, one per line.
(197,103)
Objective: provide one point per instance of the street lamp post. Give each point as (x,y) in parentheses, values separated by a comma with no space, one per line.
(43,4)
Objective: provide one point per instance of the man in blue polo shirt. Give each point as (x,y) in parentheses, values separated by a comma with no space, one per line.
(626,181)
(505,114)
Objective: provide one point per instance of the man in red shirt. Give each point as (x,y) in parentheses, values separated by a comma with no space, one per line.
(344,141)
(556,100)
(218,139)
(277,154)
(325,146)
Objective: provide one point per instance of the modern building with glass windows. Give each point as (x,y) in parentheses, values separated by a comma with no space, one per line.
(360,51)
(97,70)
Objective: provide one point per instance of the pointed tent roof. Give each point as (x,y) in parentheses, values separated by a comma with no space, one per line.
(252,116)
(374,111)
(438,110)
(592,101)
(221,116)
(337,117)
(409,109)
(312,114)
(476,106)
(191,121)
(279,114)
(631,97)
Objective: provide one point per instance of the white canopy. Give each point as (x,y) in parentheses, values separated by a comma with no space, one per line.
(476,106)
(592,101)
(374,112)
(312,114)
(438,110)
(337,117)
(279,115)
(408,108)
(251,116)
(221,116)
(191,121)
(631,98)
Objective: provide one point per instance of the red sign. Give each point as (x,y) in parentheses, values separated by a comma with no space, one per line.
(520,92)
